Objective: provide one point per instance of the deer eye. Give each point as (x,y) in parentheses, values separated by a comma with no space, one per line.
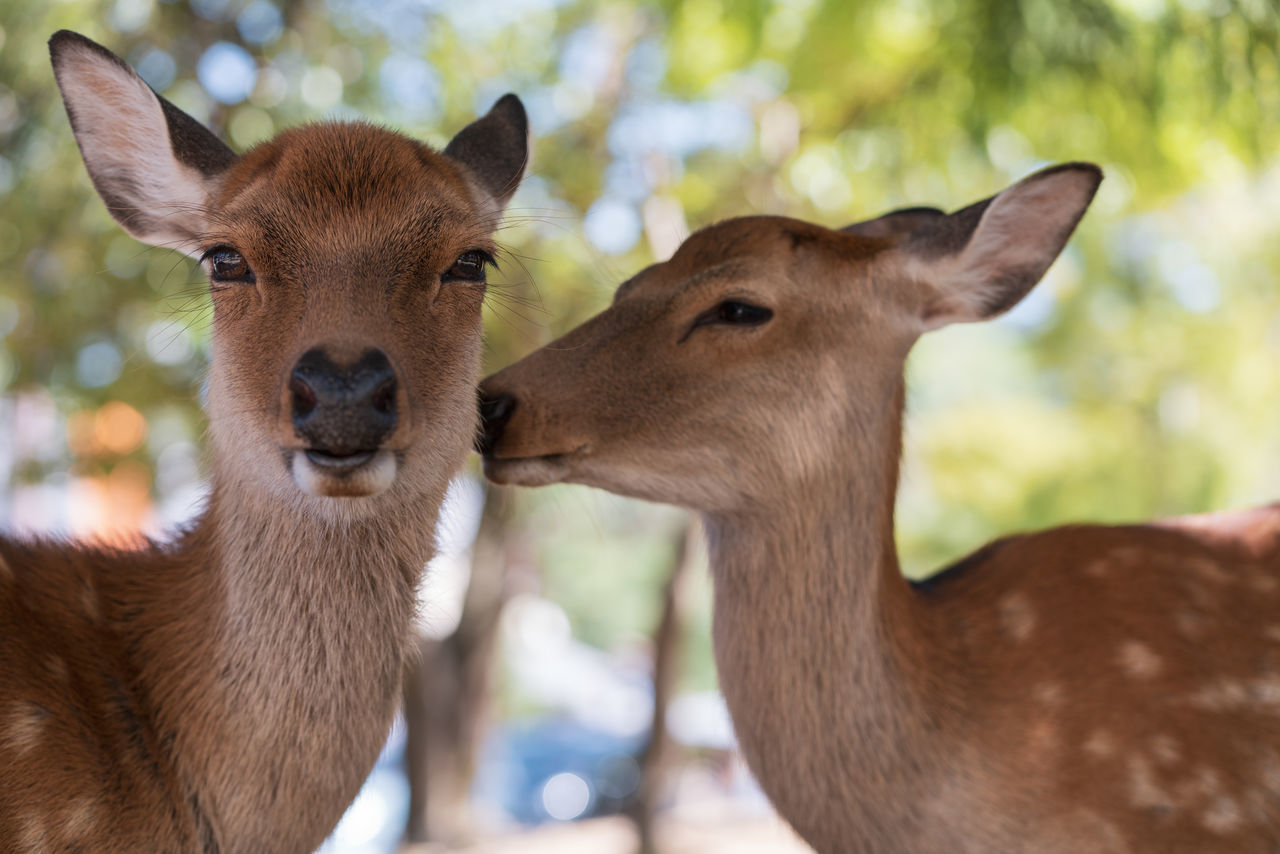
(225,264)
(741,313)
(470,267)
(731,312)
(735,313)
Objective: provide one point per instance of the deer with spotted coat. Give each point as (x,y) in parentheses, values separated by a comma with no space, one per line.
(1082,689)
(230,690)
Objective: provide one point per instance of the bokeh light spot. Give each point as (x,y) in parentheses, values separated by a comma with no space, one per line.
(169,343)
(119,428)
(157,68)
(321,87)
(210,10)
(98,364)
(271,88)
(612,226)
(126,16)
(9,316)
(7,179)
(250,125)
(565,796)
(411,84)
(10,115)
(260,22)
(227,72)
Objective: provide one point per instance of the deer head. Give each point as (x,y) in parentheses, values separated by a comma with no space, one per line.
(347,267)
(732,372)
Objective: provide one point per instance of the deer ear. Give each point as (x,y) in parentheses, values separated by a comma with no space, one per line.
(495,148)
(154,166)
(894,224)
(980,261)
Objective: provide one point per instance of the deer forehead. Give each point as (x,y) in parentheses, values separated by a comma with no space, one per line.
(353,181)
(774,255)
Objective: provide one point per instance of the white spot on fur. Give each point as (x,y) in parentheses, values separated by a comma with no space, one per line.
(1266,691)
(1144,790)
(1048,693)
(1138,660)
(1043,737)
(57,667)
(1124,557)
(1129,554)
(89,601)
(1269,772)
(1101,835)
(1017,617)
(80,819)
(1230,694)
(32,838)
(1191,625)
(23,726)
(1272,632)
(1258,805)
(1221,695)
(1100,744)
(1166,749)
(1263,583)
(1208,781)
(1223,815)
(1207,569)
(1098,568)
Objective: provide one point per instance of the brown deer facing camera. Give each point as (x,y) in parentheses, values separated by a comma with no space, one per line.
(1082,689)
(229,691)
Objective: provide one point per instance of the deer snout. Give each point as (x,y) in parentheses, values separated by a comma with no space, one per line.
(517,446)
(343,412)
(495,412)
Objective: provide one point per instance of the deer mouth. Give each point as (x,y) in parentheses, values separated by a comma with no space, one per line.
(342,475)
(339,463)
(541,470)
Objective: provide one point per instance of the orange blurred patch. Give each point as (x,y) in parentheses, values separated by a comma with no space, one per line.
(112,510)
(117,428)
(81,436)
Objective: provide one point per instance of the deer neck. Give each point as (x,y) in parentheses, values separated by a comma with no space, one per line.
(277,676)
(817,642)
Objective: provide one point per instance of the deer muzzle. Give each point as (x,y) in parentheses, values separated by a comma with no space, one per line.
(343,413)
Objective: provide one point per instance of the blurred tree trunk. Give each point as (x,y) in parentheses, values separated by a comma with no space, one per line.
(447,691)
(656,759)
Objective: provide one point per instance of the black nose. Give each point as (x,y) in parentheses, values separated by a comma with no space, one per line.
(343,410)
(495,412)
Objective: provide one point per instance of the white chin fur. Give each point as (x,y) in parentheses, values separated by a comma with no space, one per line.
(369,479)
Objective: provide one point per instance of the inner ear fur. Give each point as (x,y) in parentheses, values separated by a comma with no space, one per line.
(981,260)
(154,166)
(495,148)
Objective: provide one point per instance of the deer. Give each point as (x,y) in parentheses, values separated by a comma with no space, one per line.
(229,689)
(1083,688)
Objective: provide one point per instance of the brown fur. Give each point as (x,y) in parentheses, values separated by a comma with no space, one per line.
(229,691)
(1081,689)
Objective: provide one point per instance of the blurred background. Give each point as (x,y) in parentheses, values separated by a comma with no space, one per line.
(567,699)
